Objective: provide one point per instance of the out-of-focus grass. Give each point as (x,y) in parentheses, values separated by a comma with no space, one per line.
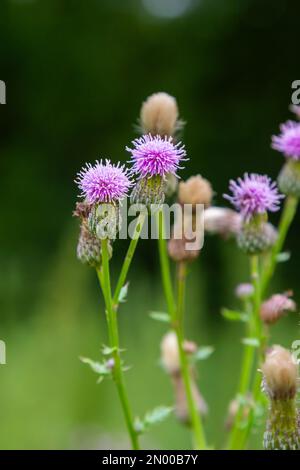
(49,399)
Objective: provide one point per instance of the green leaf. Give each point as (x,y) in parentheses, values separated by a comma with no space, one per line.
(157,415)
(98,367)
(107,350)
(254,342)
(123,293)
(203,353)
(283,257)
(233,315)
(160,316)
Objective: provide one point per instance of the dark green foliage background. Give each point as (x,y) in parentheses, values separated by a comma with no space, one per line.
(76,73)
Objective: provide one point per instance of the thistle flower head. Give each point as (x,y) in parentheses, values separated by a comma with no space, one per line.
(280,372)
(255,194)
(288,141)
(159,115)
(275,307)
(103,182)
(152,156)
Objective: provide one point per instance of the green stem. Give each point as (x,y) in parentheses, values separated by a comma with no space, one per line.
(176,315)
(128,258)
(104,278)
(249,356)
(288,214)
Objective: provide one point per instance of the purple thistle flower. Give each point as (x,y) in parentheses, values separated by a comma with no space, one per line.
(103,182)
(255,194)
(155,156)
(288,142)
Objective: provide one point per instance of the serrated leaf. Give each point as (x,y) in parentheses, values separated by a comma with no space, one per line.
(97,367)
(283,257)
(203,353)
(233,315)
(157,415)
(160,316)
(123,293)
(254,342)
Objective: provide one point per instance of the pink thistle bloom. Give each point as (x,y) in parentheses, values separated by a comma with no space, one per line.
(255,194)
(153,156)
(288,142)
(103,182)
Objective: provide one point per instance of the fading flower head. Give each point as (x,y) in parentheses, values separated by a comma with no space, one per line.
(103,182)
(275,307)
(255,194)
(153,156)
(288,142)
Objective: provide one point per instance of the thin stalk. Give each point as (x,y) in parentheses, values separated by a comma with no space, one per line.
(104,277)
(288,214)
(128,258)
(176,314)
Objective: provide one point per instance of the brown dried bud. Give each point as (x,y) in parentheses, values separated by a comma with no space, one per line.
(159,115)
(280,372)
(275,307)
(196,190)
(82,210)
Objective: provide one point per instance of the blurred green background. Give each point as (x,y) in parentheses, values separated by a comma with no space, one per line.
(76,73)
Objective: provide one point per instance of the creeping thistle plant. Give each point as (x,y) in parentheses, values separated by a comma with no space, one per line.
(156,159)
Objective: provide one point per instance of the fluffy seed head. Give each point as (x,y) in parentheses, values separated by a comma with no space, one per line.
(288,141)
(170,353)
(275,307)
(280,373)
(103,182)
(159,115)
(153,156)
(196,190)
(255,194)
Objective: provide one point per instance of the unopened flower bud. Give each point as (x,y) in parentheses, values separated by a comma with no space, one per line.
(88,248)
(196,190)
(289,178)
(222,221)
(148,191)
(244,291)
(159,115)
(275,307)
(256,236)
(280,376)
(104,220)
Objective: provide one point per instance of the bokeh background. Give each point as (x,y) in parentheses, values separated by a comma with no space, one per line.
(76,74)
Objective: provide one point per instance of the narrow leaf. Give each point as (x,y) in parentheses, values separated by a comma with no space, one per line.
(123,293)
(233,315)
(160,316)
(203,353)
(254,342)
